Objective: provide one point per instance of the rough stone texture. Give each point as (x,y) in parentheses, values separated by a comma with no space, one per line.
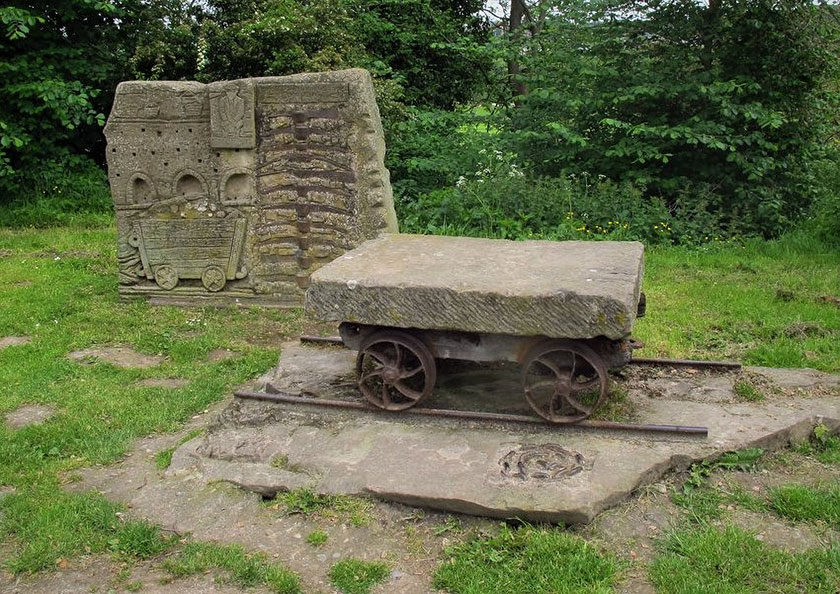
(30,414)
(234,192)
(538,473)
(119,356)
(569,289)
(8,341)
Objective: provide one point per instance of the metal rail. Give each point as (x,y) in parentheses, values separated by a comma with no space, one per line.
(478,416)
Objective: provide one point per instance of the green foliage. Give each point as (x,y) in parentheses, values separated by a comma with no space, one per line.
(51,525)
(804,503)
(308,503)
(527,560)
(823,445)
(317,538)
(707,559)
(70,191)
(354,576)
(744,390)
(742,460)
(244,569)
(718,106)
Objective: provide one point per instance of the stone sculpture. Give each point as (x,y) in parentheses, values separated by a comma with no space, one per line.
(236,191)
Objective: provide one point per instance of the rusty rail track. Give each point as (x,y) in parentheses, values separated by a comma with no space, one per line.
(476,416)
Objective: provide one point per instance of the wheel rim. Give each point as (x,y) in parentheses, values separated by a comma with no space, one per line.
(564,382)
(166,277)
(394,370)
(213,278)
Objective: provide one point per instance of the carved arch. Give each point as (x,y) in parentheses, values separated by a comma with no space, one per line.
(140,189)
(237,184)
(189,182)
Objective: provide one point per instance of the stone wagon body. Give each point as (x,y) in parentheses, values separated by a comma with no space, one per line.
(207,249)
(563,310)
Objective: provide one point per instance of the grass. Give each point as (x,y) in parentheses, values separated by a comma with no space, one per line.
(354,576)
(58,286)
(760,303)
(356,510)
(527,560)
(317,538)
(809,504)
(823,446)
(55,526)
(242,568)
(729,560)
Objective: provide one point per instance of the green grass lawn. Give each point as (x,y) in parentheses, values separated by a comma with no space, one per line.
(762,303)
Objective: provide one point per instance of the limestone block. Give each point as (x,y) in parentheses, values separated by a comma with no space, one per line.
(569,289)
(234,192)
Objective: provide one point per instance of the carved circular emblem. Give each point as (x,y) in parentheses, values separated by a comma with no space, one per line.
(543,462)
(213,278)
(166,277)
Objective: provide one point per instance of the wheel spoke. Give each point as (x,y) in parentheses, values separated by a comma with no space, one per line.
(386,395)
(411,372)
(558,372)
(370,374)
(577,405)
(590,384)
(381,357)
(407,392)
(398,351)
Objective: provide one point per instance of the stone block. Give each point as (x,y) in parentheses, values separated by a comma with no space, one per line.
(568,289)
(213,183)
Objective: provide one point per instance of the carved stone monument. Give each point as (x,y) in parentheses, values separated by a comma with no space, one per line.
(236,191)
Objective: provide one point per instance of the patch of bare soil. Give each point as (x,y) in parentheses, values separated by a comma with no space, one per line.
(8,341)
(30,414)
(119,356)
(101,574)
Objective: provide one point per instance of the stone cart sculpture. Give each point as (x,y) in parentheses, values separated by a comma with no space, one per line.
(206,249)
(563,310)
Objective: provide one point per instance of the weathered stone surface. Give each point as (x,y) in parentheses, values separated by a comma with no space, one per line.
(234,192)
(538,473)
(119,356)
(8,341)
(569,289)
(30,414)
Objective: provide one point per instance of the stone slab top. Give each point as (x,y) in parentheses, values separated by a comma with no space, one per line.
(560,289)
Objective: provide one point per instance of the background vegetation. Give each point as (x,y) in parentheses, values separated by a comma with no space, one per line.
(670,121)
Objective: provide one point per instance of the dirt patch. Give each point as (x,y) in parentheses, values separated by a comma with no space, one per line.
(794,538)
(163,382)
(217,355)
(31,414)
(8,341)
(100,574)
(119,356)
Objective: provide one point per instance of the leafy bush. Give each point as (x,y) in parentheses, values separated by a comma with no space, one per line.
(719,103)
(72,190)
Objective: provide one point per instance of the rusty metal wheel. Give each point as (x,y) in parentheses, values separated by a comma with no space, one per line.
(564,381)
(395,370)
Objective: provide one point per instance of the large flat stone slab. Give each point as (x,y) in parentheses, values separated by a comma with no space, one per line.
(570,289)
(537,473)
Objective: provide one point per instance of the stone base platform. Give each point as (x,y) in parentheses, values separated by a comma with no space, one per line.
(535,473)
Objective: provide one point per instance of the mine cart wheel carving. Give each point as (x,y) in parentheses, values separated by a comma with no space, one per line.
(564,381)
(395,370)
(213,278)
(166,277)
